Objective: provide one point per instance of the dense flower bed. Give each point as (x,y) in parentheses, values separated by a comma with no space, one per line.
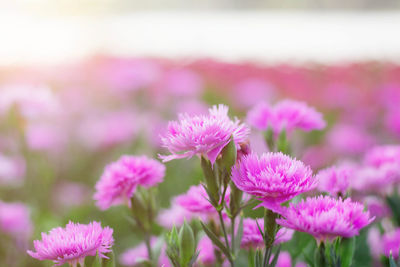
(153,162)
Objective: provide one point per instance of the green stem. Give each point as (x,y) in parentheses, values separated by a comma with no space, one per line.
(148,246)
(233,234)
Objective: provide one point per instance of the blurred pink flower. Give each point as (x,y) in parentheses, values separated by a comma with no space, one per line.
(250,91)
(391,243)
(32,101)
(285,115)
(134,256)
(377,207)
(252,237)
(374,241)
(392,120)
(73,243)
(273,177)
(182,82)
(204,135)
(121,178)
(45,137)
(15,221)
(108,130)
(67,194)
(175,215)
(380,180)
(382,155)
(285,260)
(12,170)
(195,200)
(349,139)
(335,180)
(326,218)
(206,252)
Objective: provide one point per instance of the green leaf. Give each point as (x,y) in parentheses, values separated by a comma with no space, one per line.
(211,180)
(216,240)
(110,262)
(258,258)
(228,158)
(391,261)
(239,235)
(276,256)
(97,261)
(394,204)
(347,248)
(187,244)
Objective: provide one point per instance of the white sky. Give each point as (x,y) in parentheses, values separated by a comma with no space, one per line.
(234,36)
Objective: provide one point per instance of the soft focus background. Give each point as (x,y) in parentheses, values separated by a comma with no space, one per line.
(83,82)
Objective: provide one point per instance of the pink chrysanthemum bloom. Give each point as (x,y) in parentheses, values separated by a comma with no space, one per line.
(121,178)
(195,200)
(202,135)
(335,180)
(391,243)
(325,217)
(73,243)
(252,237)
(285,115)
(15,221)
(273,177)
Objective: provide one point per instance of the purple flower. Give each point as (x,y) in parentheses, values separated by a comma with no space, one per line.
(73,243)
(273,177)
(285,115)
(325,217)
(252,237)
(202,135)
(335,180)
(121,178)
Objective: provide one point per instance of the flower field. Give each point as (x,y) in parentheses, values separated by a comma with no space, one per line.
(157,162)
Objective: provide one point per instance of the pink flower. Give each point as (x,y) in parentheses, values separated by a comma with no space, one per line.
(285,260)
(377,207)
(374,241)
(375,179)
(12,170)
(391,243)
(134,256)
(382,155)
(325,217)
(335,180)
(176,215)
(96,132)
(202,135)
(206,252)
(285,115)
(252,237)
(73,243)
(121,178)
(195,200)
(273,178)
(349,139)
(15,220)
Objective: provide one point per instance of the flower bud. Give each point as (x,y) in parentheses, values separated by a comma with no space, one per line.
(187,244)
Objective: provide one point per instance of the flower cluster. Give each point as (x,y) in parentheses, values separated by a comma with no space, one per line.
(286,115)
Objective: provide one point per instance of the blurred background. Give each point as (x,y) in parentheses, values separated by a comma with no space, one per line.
(83,82)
